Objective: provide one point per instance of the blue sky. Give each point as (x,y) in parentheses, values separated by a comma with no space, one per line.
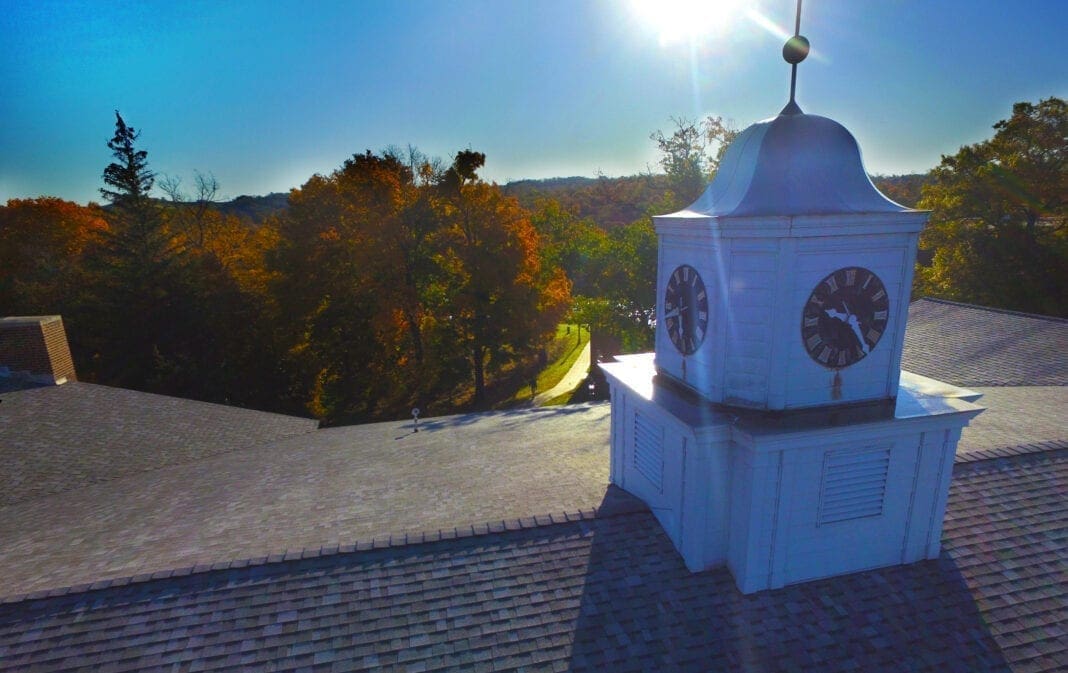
(265,94)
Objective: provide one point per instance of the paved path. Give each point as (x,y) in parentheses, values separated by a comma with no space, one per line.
(572,379)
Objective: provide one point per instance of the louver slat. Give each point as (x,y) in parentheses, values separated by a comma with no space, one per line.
(854,484)
(649,450)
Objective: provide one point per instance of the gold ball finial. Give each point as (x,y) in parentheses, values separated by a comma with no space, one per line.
(795,50)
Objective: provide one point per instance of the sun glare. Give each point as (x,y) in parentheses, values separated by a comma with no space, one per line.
(687,20)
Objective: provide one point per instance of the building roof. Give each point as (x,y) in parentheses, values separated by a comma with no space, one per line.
(973,346)
(60,438)
(483,542)
(605,591)
(307,490)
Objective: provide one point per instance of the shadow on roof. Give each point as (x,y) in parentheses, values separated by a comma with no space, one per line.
(609,593)
(641,610)
(511,417)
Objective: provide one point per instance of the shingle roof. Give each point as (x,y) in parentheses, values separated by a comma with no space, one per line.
(606,593)
(288,549)
(328,487)
(972,346)
(1017,415)
(62,438)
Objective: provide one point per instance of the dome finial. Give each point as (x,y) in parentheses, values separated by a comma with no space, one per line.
(793,52)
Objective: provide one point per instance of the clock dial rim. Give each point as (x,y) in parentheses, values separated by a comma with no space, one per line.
(836,335)
(675,294)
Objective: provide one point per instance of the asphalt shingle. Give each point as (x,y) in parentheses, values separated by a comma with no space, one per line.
(607,593)
(375,483)
(975,346)
(47,447)
(489,541)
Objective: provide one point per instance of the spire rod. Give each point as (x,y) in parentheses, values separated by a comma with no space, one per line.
(793,52)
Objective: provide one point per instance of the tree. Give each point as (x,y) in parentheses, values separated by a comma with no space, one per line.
(998,233)
(401,278)
(356,271)
(500,300)
(138,242)
(41,247)
(690,155)
(577,246)
(128,179)
(163,310)
(133,274)
(192,215)
(630,282)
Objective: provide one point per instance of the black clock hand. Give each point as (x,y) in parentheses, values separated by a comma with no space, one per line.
(849,319)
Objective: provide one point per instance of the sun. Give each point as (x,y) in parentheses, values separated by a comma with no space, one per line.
(676,21)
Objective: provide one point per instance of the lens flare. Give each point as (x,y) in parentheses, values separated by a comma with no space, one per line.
(676,21)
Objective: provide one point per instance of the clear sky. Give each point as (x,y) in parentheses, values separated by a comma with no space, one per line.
(264,94)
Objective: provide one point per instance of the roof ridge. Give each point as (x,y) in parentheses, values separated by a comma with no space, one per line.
(991,309)
(618,507)
(976,460)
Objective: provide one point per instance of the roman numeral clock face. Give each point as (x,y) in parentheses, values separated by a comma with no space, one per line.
(686,309)
(845,317)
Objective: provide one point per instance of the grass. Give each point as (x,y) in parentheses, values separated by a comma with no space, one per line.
(563,351)
(509,386)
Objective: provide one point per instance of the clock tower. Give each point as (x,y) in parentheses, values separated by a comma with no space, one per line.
(804,269)
(773,430)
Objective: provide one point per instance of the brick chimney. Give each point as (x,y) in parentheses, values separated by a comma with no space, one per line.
(36,347)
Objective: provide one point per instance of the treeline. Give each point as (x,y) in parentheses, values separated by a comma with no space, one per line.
(399,280)
(998,233)
(395,281)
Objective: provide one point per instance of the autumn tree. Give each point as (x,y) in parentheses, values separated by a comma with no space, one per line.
(402,278)
(998,233)
(159,313)
(352,264)
(41,245)
(577,246)
(500,299)
(690,155)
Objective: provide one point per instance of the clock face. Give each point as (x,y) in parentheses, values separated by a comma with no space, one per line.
(686,309)
(844,317)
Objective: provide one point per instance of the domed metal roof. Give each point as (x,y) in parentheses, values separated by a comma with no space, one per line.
(793,164)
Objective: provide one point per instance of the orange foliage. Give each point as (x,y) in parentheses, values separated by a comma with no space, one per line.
(41,244)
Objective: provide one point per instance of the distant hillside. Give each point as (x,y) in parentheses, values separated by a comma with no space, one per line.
(517,187)
(256,208)
(904,189)
(609,202)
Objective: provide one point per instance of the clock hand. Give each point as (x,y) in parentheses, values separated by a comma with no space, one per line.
(851,320)
(672,314)
(837,315)
(854,324)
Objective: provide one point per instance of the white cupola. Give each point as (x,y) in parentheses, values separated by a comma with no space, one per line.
(772,431)
(790,211)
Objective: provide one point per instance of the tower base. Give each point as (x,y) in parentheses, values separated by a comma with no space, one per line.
(782,498)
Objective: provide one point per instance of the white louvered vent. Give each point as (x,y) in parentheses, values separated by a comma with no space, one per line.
(649,450)
(854,483)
